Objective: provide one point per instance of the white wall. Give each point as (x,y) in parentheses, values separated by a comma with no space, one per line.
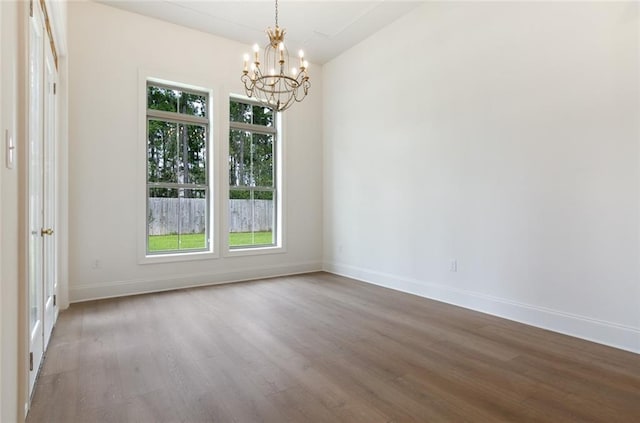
(504,136)
(107,49)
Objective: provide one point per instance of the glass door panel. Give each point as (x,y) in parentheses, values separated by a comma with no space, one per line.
(49,160)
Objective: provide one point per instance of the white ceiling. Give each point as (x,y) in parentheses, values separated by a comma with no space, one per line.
(324,29)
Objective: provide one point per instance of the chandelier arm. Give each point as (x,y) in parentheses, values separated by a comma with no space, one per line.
(248,84)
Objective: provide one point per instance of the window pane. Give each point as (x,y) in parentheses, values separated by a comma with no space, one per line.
(162,214)
(262,156)
(159,98)
(193,154)
(250,159)
(240,112)
(239,194)
(251,218)
(192,104)
(177,101)
(263,195)
(162,148)
(262,116)
(177,219)
(176,153)
(193,219)
(240,148)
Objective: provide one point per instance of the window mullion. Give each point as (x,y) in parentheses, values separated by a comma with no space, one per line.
(175,185)
(176,117)
(251,127)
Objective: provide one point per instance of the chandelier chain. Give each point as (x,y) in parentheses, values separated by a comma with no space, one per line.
(276,13)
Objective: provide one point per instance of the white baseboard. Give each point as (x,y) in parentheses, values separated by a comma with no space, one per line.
(607,333)
(95,291)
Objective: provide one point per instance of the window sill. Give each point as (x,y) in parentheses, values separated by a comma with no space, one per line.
(255,251)
(177,257)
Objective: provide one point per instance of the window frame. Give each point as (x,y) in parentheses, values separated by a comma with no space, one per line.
(278,181)
(212,228)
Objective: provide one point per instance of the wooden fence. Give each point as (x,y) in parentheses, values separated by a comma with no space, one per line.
(243,212)
(188,215)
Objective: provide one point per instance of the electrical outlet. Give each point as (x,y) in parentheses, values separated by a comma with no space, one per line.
(453,265)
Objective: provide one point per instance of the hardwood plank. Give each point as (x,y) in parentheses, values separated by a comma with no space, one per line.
(320,348)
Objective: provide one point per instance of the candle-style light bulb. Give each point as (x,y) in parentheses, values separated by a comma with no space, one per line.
(246,62)
(294,71)
(281,48)
(256,49)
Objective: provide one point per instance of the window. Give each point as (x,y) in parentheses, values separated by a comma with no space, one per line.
(253,134)
(178,193)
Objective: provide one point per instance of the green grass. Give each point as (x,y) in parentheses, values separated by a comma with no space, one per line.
(170,242)
(250,238)
(196,241)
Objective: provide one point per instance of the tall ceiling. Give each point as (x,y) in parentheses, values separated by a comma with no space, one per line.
(324,29)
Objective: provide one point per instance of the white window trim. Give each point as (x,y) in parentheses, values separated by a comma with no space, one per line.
(141,165)
(281,205)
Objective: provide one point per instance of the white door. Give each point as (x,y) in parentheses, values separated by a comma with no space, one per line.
(42,191)
(49,161)
(35,187)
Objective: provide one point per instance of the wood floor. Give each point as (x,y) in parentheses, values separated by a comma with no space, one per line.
(320,348)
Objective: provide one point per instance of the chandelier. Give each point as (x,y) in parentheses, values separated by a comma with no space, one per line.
(273,82)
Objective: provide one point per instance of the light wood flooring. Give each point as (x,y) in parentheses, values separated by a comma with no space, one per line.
(320,348)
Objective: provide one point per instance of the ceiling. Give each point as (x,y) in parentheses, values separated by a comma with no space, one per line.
(324,29)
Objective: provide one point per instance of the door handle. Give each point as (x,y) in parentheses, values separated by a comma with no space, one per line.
(44,232)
